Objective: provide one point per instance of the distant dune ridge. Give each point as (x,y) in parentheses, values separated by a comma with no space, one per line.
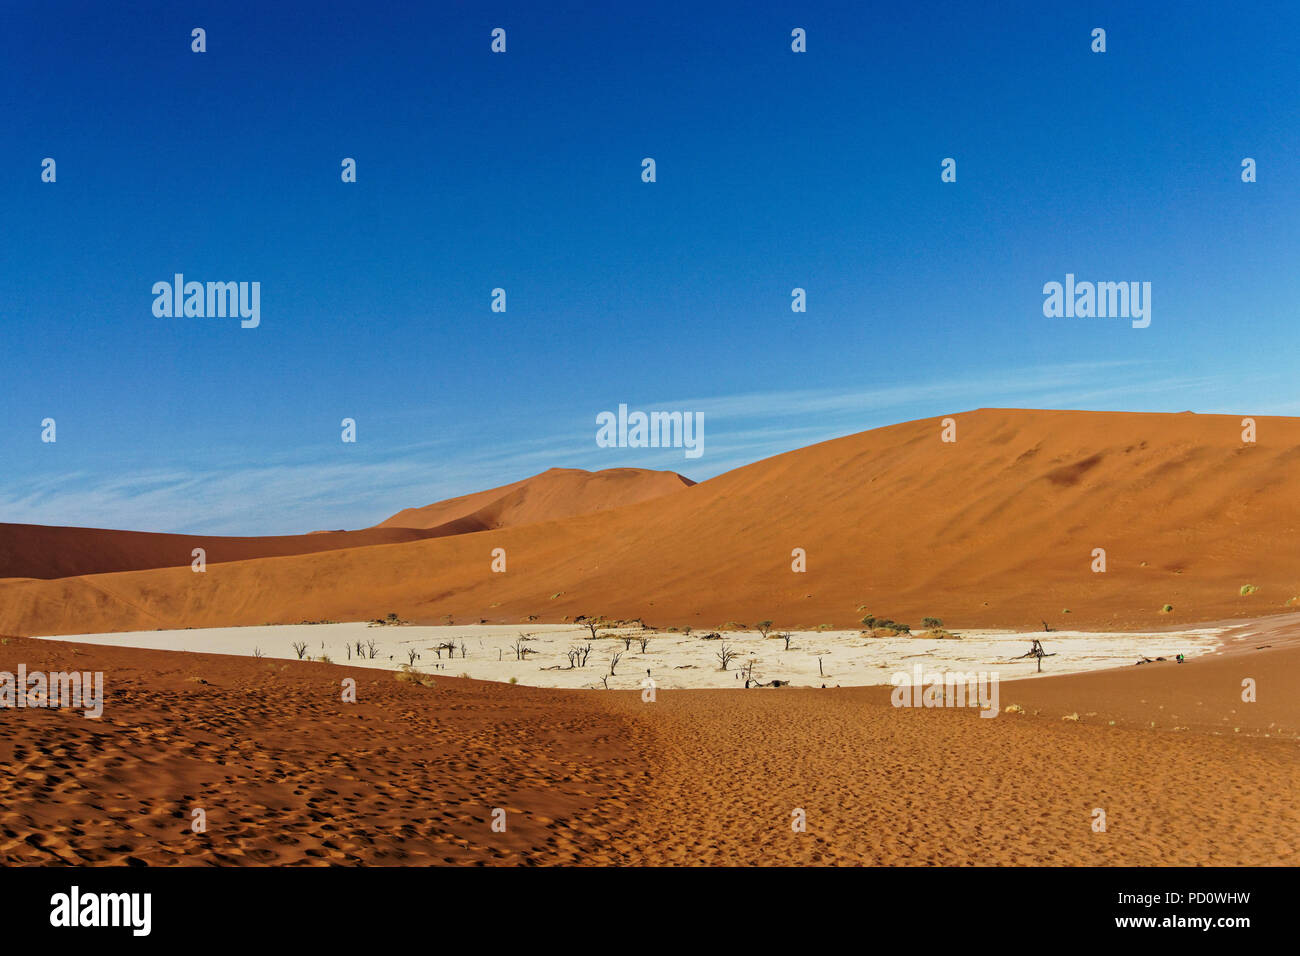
(558,493)
(995,529)
(39,551)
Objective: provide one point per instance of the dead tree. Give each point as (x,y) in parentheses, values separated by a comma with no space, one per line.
(300,648)
(613,662)
(578,656)
(644,642)
(786,636)
(592,624)
(726,655)
(1037,652)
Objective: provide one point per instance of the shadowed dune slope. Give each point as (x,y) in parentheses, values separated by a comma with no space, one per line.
(289,774)
(997,528)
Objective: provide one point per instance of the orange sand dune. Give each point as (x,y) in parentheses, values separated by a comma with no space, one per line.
(558,493)
(998,528)
(37,551)
(289,774)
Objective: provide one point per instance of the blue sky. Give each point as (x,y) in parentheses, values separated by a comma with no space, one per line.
(522,170)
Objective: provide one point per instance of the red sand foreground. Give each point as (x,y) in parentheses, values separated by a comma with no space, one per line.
(288,773)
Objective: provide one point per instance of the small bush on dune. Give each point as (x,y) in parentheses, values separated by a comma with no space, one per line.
(409,675)
(1248,589)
